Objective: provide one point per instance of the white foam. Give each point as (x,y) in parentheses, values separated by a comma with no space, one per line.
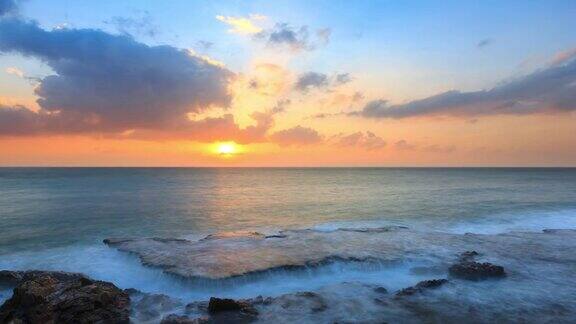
(125,270)
(533,221)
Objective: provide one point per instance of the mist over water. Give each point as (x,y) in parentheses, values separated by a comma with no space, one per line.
(56,219)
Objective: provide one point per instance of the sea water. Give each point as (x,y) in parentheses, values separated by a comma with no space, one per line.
(56,218)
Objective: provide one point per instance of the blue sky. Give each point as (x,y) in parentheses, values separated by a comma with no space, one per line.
(446,77)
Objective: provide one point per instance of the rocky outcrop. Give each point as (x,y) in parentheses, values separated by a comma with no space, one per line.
(45,297)
(224,310)
(467,268)
(421,286)
(9,278)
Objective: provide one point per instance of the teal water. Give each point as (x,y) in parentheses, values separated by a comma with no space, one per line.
(56,218)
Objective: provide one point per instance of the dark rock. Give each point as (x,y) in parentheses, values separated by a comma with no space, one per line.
(421,286)
(65,298)
(381,290)
(476,271)
(276,236)
(13,278)
(224,310)
(176,319)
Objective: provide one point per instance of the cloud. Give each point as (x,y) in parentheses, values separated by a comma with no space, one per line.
(367,140)
(297,135)
(143,25)
(111,83)
(311,80)
(485,42)
(563,56)
(315,80)
(15,71)
(548,90)
(8,7)
(324,35)
(403,145)
(342,78)
(242,25)
(284,35)
(439,149)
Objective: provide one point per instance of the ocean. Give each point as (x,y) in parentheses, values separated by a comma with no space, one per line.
(57,218)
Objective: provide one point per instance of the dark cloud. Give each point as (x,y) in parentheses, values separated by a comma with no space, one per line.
(315,80)
(296,136)
(111,83)
(342,78)
(552,89)
(285,35)
(296,39)
(367,140)
(485,42)
(8,7)
(311,80)
(281,106)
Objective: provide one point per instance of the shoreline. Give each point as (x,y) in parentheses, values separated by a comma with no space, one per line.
(532,262)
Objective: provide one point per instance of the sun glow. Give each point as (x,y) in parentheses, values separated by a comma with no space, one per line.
(226,148)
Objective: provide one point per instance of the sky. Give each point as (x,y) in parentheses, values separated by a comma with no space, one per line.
(287,83)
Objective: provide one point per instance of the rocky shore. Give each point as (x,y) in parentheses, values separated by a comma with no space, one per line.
(513,277)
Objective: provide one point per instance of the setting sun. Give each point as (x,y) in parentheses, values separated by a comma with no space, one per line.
(227,148)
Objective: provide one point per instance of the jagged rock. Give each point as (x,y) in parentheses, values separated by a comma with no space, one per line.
(224,310)
(10,278)
(467,268)
(476,271)
(421,286)
(44,297)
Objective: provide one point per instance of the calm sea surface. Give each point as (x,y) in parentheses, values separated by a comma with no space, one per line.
(52,207)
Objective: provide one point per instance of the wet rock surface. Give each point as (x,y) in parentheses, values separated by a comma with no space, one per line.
(45,297)
(225,310)
(467,268)
(421,287)
(232,255)
(534,263)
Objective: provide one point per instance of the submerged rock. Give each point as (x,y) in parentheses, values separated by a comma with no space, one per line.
(149,307)
(467,268)
(421,286)
(178,319)
(44,297)
(476,271)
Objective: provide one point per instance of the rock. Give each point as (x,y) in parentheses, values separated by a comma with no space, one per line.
(13,278)
(381,290)
(176,319)
(476,271)
(60,298)
(224,310)
(147,307)
(421,286)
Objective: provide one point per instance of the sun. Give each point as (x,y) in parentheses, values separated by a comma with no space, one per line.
(227,148)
